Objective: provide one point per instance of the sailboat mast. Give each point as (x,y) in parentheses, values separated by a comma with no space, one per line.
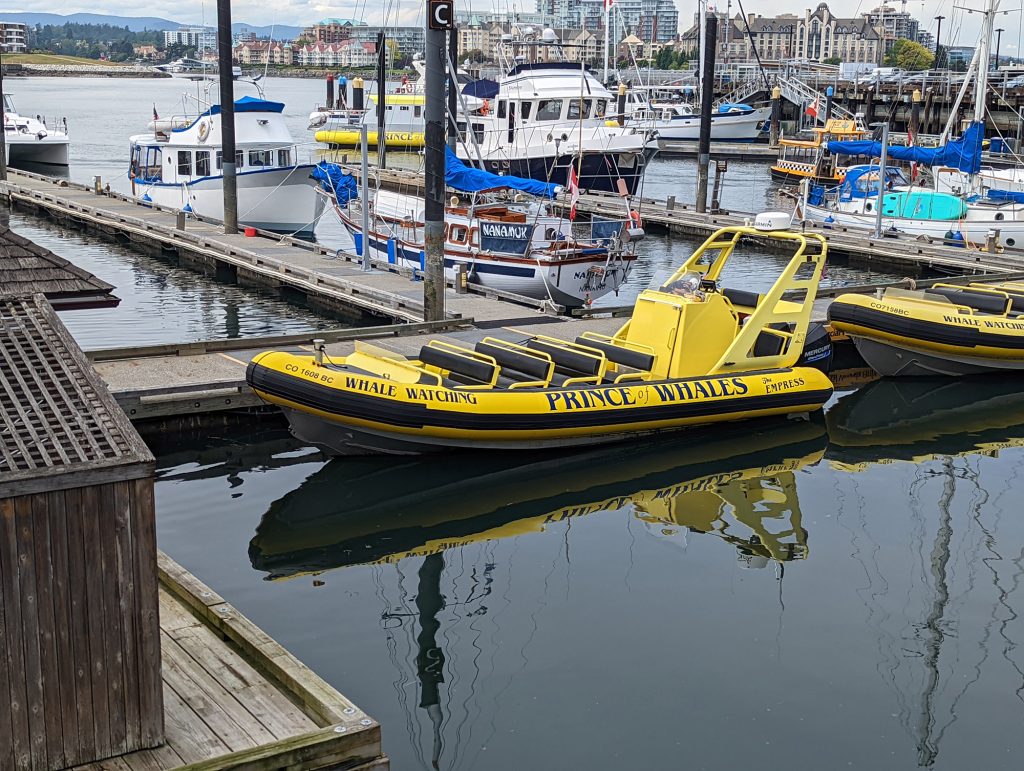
(607,36)
(984,51)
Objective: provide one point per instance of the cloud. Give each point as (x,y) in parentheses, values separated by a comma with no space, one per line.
(959,27)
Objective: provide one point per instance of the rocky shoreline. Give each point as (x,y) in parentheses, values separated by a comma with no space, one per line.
(81,70)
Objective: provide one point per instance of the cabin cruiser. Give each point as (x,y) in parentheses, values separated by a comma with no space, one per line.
(195,69)
(31,141)
(178,164)
(503,240)
(549,117)
(680,122)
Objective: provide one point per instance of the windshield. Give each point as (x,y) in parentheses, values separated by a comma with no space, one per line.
(8,103)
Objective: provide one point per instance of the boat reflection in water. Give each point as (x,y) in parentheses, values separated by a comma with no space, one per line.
(360,510)
(919,419)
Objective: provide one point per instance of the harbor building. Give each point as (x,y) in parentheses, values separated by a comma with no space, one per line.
(649,20)
(201,38)
(13,37)
(332,30)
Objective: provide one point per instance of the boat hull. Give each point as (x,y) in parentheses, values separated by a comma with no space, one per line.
(725,127)
(351,412)
(911,341)
(569,284)
(279,200)
(48,151)
(347,138)
(974,228)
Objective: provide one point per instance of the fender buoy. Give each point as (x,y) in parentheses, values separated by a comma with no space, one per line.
(204,131)
(634,217)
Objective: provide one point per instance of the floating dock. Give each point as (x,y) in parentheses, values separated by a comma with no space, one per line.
(112,656)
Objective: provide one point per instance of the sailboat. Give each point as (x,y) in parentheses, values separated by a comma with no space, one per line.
(502,229)
(973,213)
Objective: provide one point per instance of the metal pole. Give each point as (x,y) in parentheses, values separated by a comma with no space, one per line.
(227,116)
(453,87)
(999,42)
(776,119)
(382,66)
(881,180)
(607,37)
(938,43)
(706,97)
(829,93)
(3,128)
(364,181)
(434,163)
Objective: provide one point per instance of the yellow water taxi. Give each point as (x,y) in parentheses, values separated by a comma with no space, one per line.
(403,120)
(945,329)
(801,159)
(694,352)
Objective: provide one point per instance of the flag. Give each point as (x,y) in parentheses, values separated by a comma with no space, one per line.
(574,192)
(608,4)
(812,108)
(155,116)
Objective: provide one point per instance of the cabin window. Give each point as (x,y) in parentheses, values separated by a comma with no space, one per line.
(502,108)
(601,108)
(284,157)
(574,108)
(184,163)
(457,234)
(524,110)
(202,163)
(261,157)
(404,108)
(478,132)
(239,160)
(417,111)
(549,109)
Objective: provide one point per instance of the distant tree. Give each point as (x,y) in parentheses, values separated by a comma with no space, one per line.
(909,55)
(833,60)
(476,56)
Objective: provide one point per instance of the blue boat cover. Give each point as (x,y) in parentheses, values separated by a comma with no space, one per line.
(481,89)
(336,182)
(731,107)
(963,153)
(250,104)
(1005,195)
(469,180)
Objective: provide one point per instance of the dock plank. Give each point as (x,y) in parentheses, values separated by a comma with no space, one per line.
(191,738)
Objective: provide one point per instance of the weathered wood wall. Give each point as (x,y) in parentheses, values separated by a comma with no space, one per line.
(79,629)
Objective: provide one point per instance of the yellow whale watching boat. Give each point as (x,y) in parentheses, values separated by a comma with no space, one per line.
(945,329)
(694,352)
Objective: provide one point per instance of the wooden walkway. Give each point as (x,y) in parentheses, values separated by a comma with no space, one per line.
(233,698)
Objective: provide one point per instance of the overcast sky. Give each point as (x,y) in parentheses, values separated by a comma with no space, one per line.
(959,28)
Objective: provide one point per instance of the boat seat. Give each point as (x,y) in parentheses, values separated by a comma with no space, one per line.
(533,367)
(568,362)
(620,354)
(476,370)
(741,297)
(979,301)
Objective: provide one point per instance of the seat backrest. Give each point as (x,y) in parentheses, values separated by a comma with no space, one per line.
(979,301)
(466,366)
(522,362)
(620,355)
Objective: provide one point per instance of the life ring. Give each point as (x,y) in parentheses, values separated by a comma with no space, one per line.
(485,108)
(634,217)
(204,130)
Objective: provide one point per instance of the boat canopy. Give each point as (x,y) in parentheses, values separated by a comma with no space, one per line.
(250,104)
(459,176)
(1010,196)
(862,181)
(482,89)
(963,153)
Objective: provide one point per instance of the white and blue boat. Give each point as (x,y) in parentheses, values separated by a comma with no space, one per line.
(501,228)
(179,163)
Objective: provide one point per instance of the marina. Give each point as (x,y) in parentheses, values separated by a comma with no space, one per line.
(545,438)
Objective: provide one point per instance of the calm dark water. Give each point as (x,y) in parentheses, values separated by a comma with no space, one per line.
(790,595)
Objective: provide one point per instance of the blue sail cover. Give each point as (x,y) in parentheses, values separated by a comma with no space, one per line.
(336,182)
(459,176)
(963,153)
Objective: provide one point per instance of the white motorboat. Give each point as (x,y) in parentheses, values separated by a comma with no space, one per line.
(195,69)
(30,141)
(505,241)
(680,122)
(178,165)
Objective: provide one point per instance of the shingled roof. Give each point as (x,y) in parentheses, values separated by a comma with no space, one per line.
(27,268)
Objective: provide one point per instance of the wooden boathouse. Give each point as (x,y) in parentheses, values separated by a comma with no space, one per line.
(112,656)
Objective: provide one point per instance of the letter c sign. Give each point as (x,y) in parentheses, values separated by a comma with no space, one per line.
(441,14)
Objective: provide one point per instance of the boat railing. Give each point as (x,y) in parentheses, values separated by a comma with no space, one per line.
(600,230)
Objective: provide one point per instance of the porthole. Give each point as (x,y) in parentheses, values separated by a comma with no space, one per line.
(1011,242)
(999,215)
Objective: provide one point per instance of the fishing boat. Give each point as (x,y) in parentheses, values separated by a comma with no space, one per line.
(178,164)
(693,353)
(942,330)
(503,242)
(802,157)
(29,141)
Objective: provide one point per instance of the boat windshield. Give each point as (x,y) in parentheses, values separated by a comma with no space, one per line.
(8,103)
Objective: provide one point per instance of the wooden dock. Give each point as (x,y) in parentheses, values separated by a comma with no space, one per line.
(731,151)
(234,698)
